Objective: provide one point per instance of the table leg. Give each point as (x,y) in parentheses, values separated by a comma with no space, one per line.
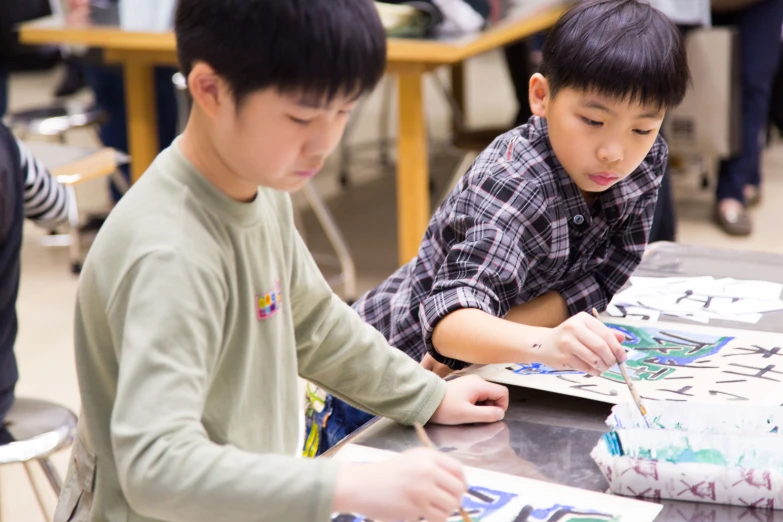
(413,193)
(458,93)
(142,120)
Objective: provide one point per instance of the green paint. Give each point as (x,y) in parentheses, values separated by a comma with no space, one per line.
(657,422)
(684,455)
(660,363)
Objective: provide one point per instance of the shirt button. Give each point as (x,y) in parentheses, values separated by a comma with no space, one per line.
(579,219)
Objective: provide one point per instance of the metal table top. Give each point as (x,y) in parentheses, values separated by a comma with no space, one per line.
(549,437)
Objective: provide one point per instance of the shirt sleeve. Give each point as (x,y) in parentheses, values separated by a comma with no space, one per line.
(343,354)
(626,246)
(45,200)
(499,226)
(167,318)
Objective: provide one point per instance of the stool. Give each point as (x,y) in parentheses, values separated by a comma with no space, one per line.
(54,121)
(71,166)
(39,429)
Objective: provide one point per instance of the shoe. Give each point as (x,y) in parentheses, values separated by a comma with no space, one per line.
(73,81)
(752,196)
(733,219)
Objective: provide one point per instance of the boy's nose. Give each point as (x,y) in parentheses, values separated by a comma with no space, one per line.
(610,153)
(322,143)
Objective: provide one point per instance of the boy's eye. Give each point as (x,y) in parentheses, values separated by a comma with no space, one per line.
(642,132)
(299,121)
(591,123)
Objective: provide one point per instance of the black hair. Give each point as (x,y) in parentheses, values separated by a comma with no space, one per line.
(623,49)
(316,48)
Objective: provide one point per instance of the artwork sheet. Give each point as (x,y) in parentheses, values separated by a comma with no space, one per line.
(670,362)
(497,497)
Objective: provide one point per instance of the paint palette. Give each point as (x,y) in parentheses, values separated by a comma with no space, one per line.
(727,454)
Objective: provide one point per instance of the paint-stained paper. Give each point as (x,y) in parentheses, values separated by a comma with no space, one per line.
(701,453)
(497,497)
(672,363)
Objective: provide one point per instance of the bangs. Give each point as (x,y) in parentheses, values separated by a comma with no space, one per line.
(319,49)
(621,49)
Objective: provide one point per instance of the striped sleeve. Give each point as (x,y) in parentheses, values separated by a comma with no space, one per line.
(45,200)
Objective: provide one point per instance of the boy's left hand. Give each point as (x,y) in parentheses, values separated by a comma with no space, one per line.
(471,399)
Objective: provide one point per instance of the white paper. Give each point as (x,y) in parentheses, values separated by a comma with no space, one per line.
(506,496)
(699,299)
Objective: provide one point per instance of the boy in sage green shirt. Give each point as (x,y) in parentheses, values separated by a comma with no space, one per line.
(199,304)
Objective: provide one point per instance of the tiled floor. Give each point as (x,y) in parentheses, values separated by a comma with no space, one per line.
(365,211)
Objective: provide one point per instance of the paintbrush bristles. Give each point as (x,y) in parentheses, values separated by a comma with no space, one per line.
(427,442)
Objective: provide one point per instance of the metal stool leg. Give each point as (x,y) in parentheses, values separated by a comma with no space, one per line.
(38,495)
(52,476)
(345,147)
(2,505)
(119,181)
(73,230)
(383,121)
(335,239)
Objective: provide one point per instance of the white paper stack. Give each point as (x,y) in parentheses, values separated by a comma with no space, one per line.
(697,298)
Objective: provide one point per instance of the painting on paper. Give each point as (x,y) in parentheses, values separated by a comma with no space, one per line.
(497,497)
(673,363)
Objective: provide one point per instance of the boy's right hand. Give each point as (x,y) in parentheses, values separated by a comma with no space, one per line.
(419,483)
(581,343)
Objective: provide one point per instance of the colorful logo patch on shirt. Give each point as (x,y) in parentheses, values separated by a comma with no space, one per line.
(268,304)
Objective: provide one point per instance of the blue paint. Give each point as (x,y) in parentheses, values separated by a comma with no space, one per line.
(540,369)
(499,499)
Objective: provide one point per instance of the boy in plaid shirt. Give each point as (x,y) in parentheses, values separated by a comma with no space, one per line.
(549,222)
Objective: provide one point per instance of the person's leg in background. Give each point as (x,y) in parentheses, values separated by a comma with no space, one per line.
(664,225)
(759,28)
(106,83)
(520,69)
(109,89)
(3,91)
(166,105)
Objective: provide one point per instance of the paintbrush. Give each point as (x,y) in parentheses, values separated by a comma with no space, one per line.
(635,394)
(425,440)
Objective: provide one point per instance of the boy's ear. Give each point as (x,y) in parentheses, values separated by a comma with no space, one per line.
(207,89)
(539,95)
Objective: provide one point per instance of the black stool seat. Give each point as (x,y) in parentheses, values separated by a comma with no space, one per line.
(55,120)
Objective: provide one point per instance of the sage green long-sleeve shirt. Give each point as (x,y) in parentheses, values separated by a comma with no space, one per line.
(195,313)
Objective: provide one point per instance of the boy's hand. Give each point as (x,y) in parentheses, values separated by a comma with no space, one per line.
(471,399)
(429,363)
(418,484)
(581,343)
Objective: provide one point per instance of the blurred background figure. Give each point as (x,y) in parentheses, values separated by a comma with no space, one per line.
(107,84)
(739,179)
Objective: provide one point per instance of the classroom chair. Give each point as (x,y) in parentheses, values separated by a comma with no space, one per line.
(72,166)
(38,429)
(54,121)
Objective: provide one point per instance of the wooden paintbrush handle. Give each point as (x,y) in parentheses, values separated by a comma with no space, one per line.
(427,442)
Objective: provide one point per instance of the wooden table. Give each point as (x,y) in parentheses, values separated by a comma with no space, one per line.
(139,52)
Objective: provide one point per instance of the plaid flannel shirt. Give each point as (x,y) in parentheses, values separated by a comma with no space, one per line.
(515,227)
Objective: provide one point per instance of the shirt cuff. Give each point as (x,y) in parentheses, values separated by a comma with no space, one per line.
(434,397)
(439,305)
(583,296)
